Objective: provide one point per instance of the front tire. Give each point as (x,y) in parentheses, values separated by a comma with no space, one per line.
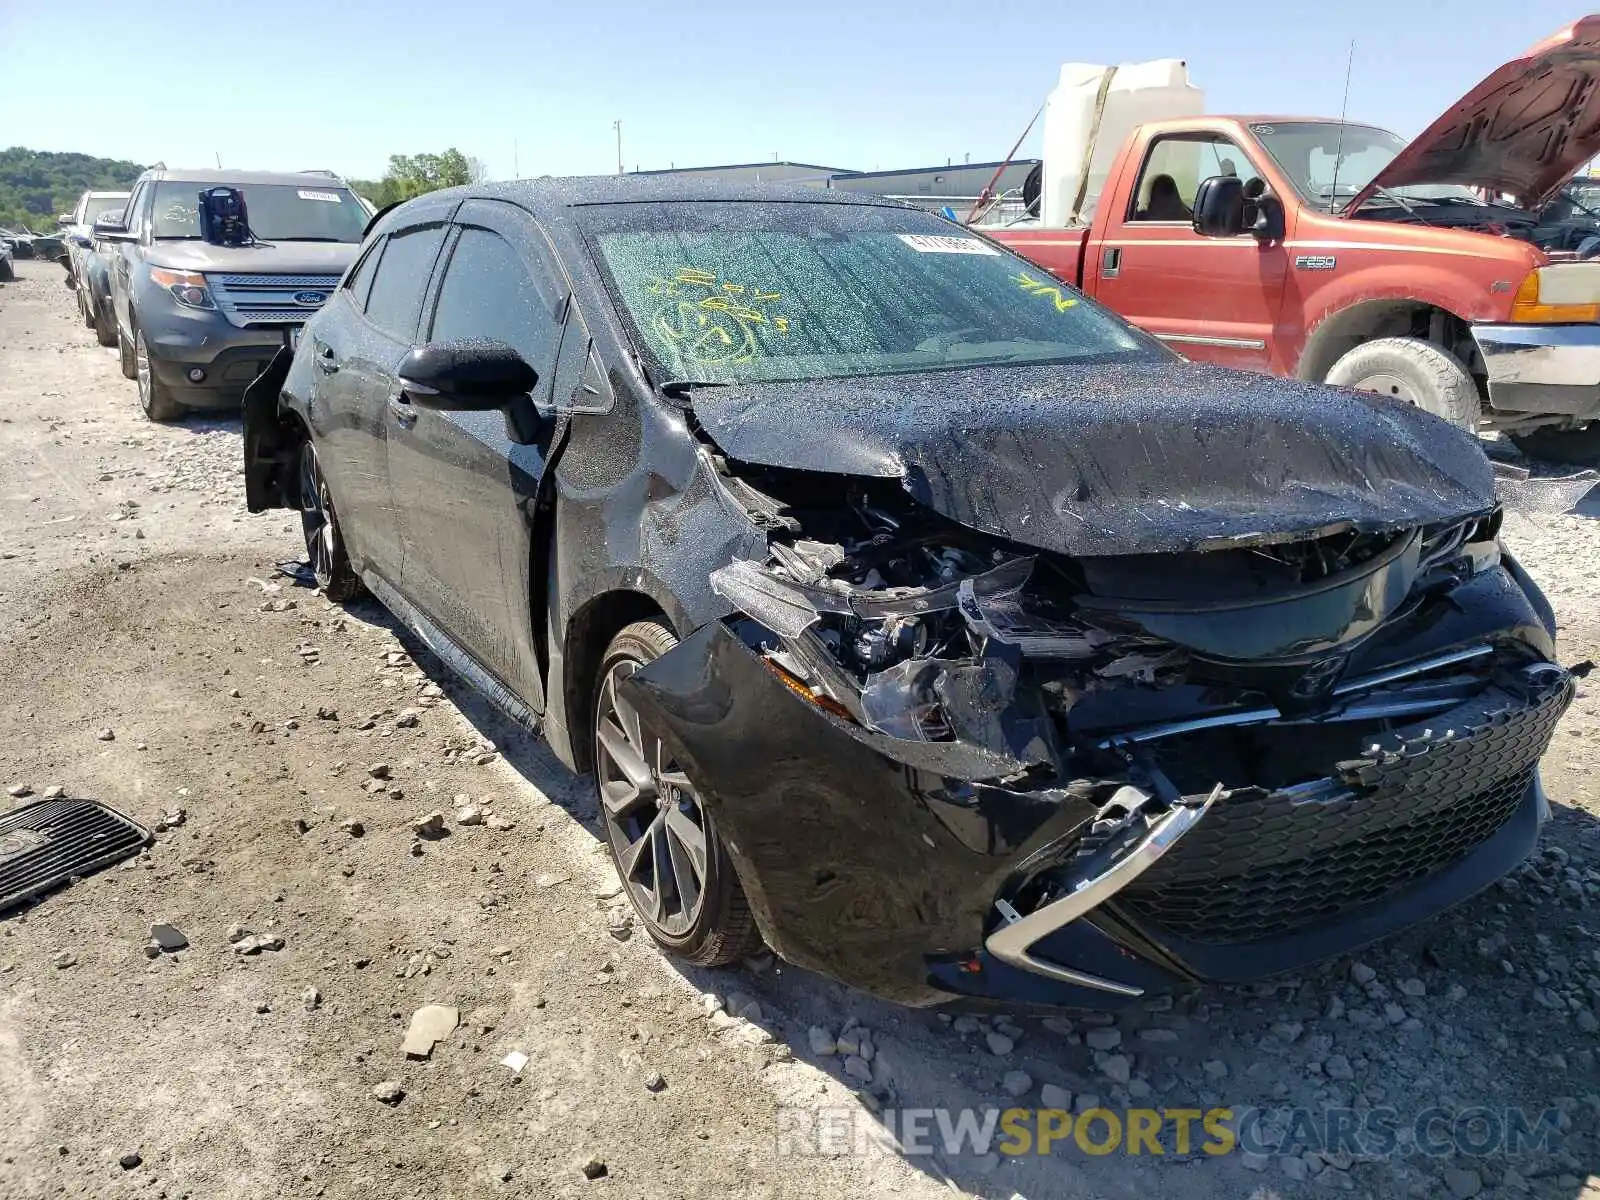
(127,361)
(154,397)
(105,326)
(673,865)
(324,539)
(1571,447)
(1418,372)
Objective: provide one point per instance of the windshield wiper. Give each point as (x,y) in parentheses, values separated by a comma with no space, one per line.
(313,239)
(679,388)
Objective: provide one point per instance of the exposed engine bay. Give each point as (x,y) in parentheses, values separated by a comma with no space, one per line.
(1571,236)
(924,631)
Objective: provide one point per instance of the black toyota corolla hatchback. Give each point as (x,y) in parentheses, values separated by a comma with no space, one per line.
(913,613)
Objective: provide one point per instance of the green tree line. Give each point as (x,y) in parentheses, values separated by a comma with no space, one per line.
(411,175)
(37,185)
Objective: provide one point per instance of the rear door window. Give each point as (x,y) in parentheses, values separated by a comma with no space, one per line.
(395,300)
(360,281)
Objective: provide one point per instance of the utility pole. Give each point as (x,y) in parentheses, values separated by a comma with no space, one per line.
(617,125)
(516,164)
(218,153)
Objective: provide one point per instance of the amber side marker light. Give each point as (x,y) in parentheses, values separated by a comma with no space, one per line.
(808,693)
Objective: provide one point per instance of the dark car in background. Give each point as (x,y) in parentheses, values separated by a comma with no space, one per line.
(925,620)
(195,322)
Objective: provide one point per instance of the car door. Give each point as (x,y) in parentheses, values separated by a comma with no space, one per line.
(1212,299)
(464,490)
(355,357)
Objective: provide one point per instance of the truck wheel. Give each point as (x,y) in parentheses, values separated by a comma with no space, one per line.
(7,275)
(1574,447)
(673,866)
(84,310)
(1415,371)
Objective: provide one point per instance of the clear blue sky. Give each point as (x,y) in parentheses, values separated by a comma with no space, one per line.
(343,84)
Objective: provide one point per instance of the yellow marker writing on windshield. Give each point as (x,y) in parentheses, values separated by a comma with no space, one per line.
(1038,287)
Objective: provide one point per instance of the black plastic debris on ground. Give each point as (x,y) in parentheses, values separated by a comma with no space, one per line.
(300,572)
(52,842)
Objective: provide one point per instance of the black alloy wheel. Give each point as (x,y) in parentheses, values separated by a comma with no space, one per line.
(320,524)
(675,869)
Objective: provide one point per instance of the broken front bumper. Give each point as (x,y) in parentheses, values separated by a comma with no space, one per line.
(866,860)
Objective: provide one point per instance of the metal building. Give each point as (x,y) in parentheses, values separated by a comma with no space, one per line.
(956,186)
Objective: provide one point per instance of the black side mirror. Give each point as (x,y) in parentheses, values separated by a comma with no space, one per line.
(1268,224)
(474,375)
(465,375)
(1219,206)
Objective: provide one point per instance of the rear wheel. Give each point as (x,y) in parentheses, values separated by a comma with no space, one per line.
(674,868)
(320,524)
(1418,372)
(154,397)
(1574,447)
(7,273)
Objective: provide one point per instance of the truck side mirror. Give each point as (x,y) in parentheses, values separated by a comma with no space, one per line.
(1219,207)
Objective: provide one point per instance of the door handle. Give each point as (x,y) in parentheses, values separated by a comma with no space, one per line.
(1110,262)
(326,362)
(402,410)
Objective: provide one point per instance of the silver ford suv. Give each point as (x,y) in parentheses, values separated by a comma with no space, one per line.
(196,321)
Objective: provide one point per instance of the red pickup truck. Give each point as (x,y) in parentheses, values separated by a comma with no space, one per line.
(1332,251)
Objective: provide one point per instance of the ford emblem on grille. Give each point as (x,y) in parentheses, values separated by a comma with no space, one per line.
(310,299)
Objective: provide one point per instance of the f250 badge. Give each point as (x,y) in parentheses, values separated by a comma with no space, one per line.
(1315,262)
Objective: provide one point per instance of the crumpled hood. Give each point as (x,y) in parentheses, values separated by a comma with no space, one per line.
(276,258)
(1141,458)
(1524,130)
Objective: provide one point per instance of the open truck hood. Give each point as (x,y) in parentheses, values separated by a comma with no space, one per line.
(1523,131)
(1124,458)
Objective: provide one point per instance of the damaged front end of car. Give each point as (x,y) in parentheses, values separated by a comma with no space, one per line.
(951,764)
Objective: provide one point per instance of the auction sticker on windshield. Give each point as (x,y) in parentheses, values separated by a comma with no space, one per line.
(929,243)
(330,196)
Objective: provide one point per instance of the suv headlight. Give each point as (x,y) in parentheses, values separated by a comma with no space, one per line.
(1562,293)
(188,288)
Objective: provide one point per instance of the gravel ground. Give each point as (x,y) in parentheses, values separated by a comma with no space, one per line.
(139,600)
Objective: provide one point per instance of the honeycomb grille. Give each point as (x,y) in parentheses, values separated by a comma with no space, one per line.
(1269,862)
(1294,895)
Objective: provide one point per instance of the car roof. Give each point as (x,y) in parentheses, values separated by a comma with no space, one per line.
(573,191)
(227,178)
